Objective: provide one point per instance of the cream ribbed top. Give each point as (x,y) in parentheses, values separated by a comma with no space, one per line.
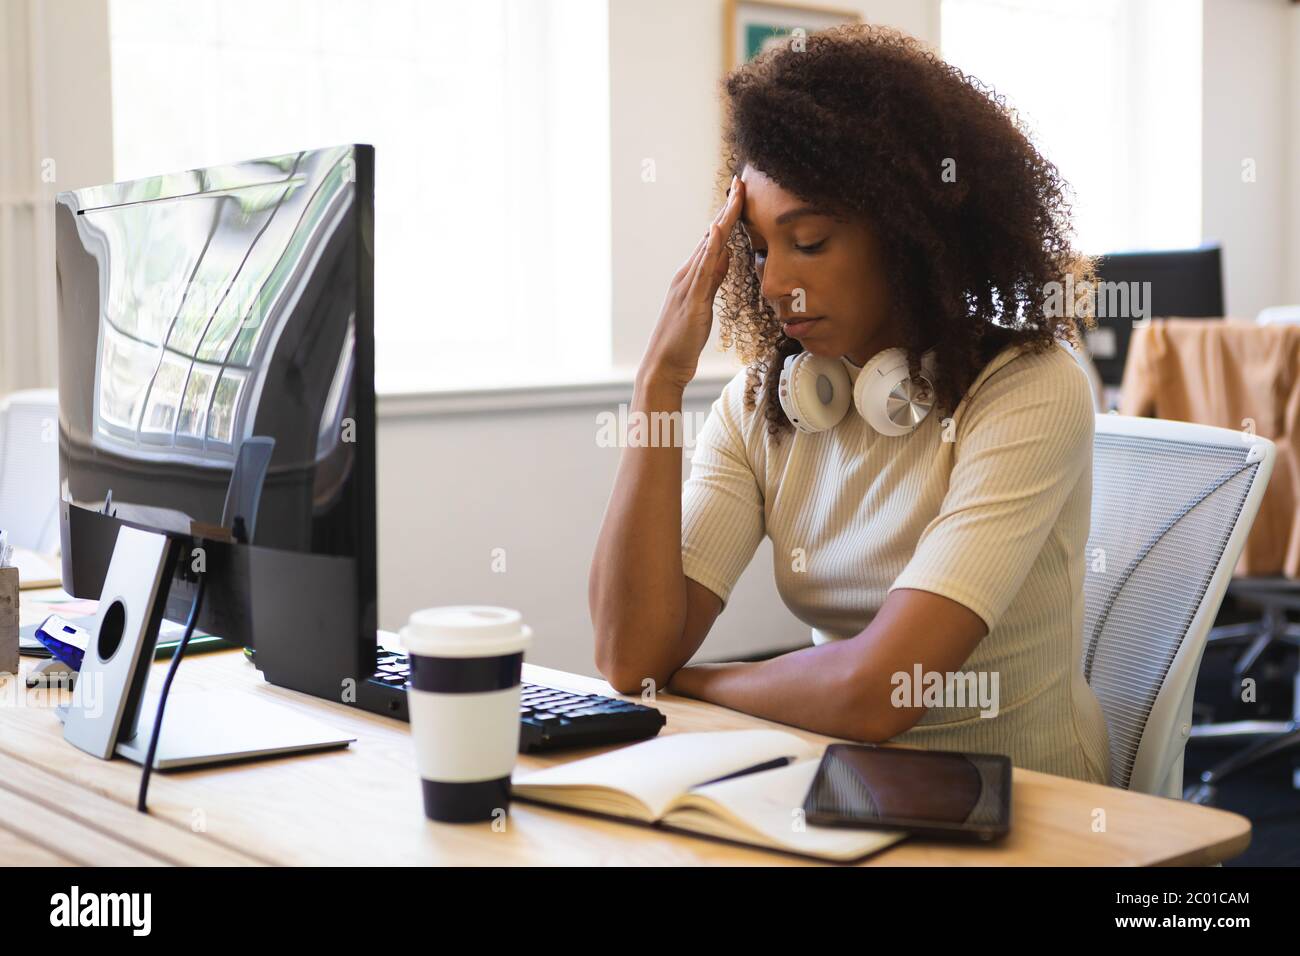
(989,508)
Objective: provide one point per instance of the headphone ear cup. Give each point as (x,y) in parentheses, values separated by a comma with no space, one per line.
(815,392)
(888,399)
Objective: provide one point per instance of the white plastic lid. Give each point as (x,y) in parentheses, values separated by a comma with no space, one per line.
(466,630)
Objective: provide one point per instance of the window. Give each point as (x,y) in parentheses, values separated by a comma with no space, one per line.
(1111,93)
(490,122)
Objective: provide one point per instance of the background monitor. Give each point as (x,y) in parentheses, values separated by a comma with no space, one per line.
(1185,283)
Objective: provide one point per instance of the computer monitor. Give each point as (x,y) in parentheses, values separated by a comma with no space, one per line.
(1184,283)
(216,384)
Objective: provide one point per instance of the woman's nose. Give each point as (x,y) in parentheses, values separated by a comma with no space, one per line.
(775,284)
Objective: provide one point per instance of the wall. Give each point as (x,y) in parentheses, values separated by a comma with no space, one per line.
(1291,265)
(1250,53)
(78,90)
(456,483)
(56,124)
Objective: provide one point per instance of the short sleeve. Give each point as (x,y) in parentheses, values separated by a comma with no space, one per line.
(722,501)
(1021,446)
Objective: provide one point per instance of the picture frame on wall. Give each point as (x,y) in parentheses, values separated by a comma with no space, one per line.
(753,25)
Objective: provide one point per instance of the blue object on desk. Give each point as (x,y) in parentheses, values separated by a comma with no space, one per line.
(34,643)
(64,640)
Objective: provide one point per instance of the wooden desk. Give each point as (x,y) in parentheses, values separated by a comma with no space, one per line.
(363,806)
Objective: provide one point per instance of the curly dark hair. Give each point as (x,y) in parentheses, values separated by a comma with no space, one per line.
(861,121)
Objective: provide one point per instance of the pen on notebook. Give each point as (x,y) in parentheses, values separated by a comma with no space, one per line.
(766,765)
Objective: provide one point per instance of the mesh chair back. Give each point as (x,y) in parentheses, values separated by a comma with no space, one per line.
(1167,500)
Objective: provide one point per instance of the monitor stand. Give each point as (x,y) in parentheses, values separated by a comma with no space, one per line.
(112,711)
(203,727)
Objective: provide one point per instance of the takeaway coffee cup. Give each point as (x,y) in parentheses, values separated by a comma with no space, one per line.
(466,662)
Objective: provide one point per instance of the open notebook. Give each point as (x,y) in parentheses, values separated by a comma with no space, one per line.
(665,782)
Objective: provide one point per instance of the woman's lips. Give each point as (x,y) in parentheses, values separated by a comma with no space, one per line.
(797,329)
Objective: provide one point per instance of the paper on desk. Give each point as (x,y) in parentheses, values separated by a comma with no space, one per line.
(33,611)
(36,570)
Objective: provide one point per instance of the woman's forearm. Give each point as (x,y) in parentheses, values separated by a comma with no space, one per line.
(810,688)
(636,588)
(845,688)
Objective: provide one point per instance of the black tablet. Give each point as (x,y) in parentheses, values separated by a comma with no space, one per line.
(935,793)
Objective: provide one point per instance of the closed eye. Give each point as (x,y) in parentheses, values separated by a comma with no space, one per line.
(808,249)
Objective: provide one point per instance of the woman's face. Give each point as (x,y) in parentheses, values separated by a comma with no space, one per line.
(823,276)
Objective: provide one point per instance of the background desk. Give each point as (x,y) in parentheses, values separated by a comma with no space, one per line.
(363,806)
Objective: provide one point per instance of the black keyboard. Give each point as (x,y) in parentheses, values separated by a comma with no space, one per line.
(553,719)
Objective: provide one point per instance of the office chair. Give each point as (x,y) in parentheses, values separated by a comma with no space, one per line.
(29,469)
(1274,597)
(1172,506)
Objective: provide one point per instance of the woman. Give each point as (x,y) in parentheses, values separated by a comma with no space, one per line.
(881,200)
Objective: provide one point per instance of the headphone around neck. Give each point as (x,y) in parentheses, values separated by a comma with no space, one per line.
(815,392)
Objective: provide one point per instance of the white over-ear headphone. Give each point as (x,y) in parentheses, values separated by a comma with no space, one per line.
(815,392)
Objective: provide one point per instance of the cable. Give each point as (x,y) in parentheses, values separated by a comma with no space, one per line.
(141,803)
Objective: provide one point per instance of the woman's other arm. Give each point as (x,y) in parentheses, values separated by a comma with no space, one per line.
(648,617)
(845,688)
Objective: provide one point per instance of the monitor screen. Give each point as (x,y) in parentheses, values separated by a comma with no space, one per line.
(216,370)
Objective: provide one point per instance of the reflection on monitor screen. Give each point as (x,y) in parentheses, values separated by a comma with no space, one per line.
(200,311)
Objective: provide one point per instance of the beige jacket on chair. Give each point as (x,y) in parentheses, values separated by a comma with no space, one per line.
(1233,374)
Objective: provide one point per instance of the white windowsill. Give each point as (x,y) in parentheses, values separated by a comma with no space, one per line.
(607,388)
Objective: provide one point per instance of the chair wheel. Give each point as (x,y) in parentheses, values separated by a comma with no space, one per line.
(1201,793)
